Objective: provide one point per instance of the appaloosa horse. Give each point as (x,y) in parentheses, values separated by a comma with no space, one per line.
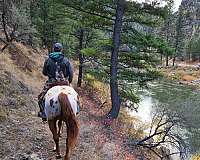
(61,104)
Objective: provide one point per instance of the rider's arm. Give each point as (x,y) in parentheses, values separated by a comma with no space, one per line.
(70,72)
(44,71)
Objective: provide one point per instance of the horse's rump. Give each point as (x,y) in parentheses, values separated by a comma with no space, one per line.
(52,103)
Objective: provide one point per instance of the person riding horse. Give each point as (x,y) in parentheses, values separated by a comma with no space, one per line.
(58,69)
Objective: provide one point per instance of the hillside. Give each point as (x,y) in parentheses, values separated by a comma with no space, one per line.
(191,18)
(137,63)
(25,137)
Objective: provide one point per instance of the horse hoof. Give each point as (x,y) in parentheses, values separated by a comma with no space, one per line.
(54,149)
(58,156)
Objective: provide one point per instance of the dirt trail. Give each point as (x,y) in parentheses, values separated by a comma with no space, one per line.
(23,136)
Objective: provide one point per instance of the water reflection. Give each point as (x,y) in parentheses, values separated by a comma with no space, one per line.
(144,110)
(181,99)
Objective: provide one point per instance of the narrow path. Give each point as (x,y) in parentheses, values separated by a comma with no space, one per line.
(25,137)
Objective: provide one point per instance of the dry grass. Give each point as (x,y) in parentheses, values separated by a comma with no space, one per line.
(188,78)
(102,91)
(13,74)
(32,76)
(196,157)
(181,74)
(125,123)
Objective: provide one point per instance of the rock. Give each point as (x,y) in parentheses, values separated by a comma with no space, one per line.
(197,81)
(188,78)
(25,156)
(34,157)
(183,82)
(33,113)
(108,150)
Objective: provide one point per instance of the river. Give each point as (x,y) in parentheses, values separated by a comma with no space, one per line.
(184,100)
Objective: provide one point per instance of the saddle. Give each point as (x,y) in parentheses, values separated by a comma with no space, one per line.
(50,85)
(60,83)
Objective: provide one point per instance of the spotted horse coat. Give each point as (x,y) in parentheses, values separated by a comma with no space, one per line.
(52,105)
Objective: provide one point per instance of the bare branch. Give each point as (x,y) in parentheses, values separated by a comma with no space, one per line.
(164,135)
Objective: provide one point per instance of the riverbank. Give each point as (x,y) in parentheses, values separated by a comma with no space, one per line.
(183,73)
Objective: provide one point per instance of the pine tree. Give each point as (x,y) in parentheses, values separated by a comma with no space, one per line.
(114,16)
(179,44)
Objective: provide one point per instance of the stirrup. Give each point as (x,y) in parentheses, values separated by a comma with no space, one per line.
(42,115)
(78,109)
(44,119)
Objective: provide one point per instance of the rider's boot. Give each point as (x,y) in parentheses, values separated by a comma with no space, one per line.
(41,113)
(78,108)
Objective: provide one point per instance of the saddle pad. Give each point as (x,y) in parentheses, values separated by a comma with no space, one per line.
(52,105)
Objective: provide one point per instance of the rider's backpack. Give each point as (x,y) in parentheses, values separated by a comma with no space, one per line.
(56,69)
(59,75)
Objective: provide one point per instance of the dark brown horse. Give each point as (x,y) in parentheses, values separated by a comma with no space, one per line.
(61,104)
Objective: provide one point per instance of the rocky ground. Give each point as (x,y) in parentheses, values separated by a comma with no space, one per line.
(23,136)
(183,73)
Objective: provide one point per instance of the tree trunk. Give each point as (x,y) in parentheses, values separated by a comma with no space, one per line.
(4,21)
(114,60)
(189,55)
(45,32)
(167,60)
(174,59)
(52,37)
(80,74)
(161,58)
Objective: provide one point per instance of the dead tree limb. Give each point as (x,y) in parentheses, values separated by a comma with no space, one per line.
(162,135)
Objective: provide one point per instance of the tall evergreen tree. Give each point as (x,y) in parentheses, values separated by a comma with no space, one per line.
(116,15)
(179,44)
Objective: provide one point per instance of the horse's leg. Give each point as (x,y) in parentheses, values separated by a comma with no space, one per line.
(67,151)
(59,127)
(53,128)
(67,147)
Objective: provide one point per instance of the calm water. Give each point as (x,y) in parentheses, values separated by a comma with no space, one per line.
(181,99)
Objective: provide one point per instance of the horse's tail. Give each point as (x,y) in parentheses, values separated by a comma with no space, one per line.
(69,118)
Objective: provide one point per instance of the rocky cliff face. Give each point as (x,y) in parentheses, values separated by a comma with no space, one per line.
(181,27)
(191,18)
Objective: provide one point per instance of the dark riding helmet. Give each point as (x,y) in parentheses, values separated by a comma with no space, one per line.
(57,47)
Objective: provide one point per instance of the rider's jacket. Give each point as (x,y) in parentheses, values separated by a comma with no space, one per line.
(57,66)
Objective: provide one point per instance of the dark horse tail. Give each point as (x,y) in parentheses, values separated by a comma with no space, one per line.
(70,119)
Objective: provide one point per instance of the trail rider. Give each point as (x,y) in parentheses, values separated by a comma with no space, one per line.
(57,68)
